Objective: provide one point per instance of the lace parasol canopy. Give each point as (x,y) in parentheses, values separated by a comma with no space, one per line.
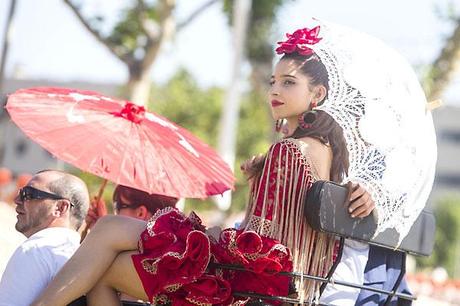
(377,99)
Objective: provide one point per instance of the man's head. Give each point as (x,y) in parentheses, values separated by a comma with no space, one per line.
(51,199)
(139,204)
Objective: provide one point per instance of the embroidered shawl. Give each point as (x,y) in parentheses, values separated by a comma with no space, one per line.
(276,210)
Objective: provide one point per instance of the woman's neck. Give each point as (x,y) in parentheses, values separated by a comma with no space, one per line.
(291,126)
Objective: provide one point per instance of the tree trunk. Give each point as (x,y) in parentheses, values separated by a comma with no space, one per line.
(138,90)
(444,67)
(6,41)
(231,107)
(139,84)
(260,78)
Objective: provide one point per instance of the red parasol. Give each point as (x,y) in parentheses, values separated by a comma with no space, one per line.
(119,141)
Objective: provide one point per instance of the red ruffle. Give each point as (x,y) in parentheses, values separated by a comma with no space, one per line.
(175,252)
(262,257)
(208,289)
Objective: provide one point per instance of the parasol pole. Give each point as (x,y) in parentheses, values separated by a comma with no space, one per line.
(85,228)
(101,190)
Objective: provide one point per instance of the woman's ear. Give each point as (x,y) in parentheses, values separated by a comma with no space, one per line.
(142,213)
(320,93)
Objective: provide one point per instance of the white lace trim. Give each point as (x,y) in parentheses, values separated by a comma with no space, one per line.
(376,97)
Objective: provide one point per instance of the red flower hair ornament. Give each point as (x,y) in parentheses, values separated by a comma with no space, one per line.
(299,41)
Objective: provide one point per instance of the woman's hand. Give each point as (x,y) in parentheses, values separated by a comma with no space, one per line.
(253,166)
(361,202)
(97,209)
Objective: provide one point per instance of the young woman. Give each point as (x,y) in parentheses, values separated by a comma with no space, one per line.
(313,148)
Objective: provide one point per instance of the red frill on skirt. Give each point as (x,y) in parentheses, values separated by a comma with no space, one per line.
(262,257)
(174,256)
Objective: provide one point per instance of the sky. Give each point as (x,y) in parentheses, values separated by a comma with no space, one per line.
(49,43)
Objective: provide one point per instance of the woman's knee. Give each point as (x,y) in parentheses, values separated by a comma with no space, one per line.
(121,233)
(122,277)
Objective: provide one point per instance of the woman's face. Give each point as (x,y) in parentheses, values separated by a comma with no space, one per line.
(291,93)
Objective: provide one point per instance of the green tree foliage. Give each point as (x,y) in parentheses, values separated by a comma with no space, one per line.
(439,74)
(263,12)
(259,44)
(184,102)
(94,183)
(254,132)
(446,251)
(136,37)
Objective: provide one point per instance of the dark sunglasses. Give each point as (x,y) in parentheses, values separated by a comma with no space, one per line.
(119,206)
(28,193)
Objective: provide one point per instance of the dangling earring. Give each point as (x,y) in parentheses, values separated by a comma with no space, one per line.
(313,105)
(306,119)
(278,125)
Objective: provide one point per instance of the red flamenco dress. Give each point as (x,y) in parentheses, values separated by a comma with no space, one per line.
(175,250)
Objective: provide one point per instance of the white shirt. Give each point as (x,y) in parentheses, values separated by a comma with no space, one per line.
(35,263)
(350,269)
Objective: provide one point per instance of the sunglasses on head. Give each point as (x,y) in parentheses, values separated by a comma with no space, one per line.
(28,193)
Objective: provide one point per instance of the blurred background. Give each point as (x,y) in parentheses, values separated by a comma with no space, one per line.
(205,64)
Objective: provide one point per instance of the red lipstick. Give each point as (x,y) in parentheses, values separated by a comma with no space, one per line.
(276,103)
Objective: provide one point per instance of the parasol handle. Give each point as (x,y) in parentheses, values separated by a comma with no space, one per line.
(101,190)
(85,229)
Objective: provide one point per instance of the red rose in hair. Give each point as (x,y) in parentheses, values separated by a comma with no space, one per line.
(299,41)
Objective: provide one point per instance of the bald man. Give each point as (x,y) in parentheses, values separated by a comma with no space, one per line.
(50,209)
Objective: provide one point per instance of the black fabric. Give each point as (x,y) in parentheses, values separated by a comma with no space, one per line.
(82,302)
(381,272)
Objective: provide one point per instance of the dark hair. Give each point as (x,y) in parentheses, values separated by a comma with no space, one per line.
(321,126)
(311,66)
(136,198)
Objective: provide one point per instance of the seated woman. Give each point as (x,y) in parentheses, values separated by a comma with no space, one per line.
(109,260)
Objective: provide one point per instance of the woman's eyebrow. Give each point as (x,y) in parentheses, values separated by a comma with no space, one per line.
(289,76)
(285,75)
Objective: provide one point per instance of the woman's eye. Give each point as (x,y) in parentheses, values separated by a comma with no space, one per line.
(288,82)
(271,82)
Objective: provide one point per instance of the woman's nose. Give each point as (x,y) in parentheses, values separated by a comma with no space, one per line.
(274,91)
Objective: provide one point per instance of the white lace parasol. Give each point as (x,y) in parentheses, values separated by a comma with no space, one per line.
(376,98)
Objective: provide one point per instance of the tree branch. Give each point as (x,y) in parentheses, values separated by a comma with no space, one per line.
(195,14)
(166,30)
(148,26)
(95,32)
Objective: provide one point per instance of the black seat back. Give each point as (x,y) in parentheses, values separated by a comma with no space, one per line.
(326,211)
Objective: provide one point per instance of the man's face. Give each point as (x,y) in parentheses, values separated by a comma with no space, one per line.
(34,214)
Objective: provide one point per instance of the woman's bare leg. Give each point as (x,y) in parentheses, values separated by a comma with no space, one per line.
(111,235)
(105,291)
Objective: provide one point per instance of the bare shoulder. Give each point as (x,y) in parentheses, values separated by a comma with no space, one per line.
(319,153)
(315,147)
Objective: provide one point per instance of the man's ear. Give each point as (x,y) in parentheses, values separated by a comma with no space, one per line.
(62,207)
